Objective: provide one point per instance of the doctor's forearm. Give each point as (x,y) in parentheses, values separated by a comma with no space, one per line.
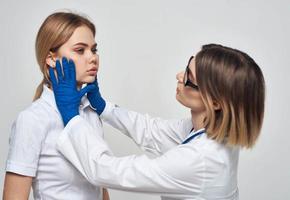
(146,131)
(90,154)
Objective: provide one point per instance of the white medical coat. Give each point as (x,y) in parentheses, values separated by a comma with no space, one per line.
(32,151)
(200,169)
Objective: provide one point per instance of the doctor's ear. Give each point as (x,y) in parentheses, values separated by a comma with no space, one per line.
(216,105)
(50,60)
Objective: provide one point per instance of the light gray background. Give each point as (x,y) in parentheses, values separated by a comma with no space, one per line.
(142,45)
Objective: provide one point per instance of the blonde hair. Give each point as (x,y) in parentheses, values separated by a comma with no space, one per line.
(56,29)
(231,79)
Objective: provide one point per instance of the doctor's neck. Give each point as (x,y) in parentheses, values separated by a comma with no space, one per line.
(197,119)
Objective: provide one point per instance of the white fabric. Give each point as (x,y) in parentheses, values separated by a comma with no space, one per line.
(33,151)
(200,169)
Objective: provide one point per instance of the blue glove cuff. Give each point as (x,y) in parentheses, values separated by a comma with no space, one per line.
(68,116)
(101,104)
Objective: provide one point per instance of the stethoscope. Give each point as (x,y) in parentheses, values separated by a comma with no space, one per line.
(193,135)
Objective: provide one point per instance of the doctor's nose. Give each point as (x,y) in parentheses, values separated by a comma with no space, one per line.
(180,76)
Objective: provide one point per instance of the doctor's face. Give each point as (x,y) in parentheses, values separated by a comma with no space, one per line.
(187,91)
(82,49)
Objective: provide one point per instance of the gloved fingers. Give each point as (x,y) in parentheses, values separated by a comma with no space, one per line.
(58,70)
(72,70)
(96,83)
(65,66)
(52,77)
(87,89)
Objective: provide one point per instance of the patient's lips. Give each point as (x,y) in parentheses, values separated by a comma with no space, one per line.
(92,71)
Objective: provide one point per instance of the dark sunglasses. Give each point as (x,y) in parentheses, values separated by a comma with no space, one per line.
(186,80)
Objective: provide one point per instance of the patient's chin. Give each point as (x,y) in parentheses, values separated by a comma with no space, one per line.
(87,80)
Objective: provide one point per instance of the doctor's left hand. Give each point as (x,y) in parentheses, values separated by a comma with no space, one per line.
(96,100)
(66,94)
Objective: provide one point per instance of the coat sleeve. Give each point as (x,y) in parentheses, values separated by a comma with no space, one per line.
(178,172)
(154,135)
(25,142)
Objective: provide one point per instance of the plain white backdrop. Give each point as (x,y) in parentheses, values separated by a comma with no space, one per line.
(142,45)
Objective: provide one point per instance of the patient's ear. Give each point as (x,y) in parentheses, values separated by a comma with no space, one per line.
(50,60)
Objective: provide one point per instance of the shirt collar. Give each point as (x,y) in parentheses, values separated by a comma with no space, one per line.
(194,132)
(48,96)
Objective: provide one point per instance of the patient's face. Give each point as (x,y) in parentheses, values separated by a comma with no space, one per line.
(82,49)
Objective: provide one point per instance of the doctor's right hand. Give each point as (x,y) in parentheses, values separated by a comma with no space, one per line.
(67,96)
(95,98)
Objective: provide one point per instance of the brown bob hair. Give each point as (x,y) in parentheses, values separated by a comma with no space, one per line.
(234,81)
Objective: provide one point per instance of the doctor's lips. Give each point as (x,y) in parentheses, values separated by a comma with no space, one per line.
(177,90)
(92,71)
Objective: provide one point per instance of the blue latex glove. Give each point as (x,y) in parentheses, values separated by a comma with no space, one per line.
(66,94)
(95,98)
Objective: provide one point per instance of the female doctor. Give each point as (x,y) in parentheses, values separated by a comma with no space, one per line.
(197,158)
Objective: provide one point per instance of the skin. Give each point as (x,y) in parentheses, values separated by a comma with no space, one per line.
(16,187)
(191,98)
(81,48)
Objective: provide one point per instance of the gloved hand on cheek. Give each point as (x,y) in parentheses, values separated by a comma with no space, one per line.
(66,94)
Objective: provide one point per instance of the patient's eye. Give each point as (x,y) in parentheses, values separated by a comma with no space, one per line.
(80,50)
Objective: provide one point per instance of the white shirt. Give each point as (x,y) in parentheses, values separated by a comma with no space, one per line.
(201,169)
(33,151)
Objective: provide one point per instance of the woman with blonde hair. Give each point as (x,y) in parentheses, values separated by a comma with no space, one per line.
(196,158)
(33,159)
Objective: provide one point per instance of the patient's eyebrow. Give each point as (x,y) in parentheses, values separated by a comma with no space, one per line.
(84,44)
